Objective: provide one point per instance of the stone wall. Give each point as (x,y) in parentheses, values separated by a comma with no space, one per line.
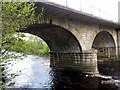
(85,33)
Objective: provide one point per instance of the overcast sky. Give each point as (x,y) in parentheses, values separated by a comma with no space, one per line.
(109,7)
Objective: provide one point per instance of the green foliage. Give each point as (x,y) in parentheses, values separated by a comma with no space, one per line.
(18,45)
(31,46)
(44,48)
(16,16)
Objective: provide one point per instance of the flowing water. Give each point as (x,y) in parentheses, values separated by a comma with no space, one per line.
(34,72)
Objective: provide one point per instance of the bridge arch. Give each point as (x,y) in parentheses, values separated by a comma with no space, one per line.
(105,44)
(58,38)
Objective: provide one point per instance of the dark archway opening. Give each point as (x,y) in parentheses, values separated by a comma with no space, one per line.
(57,38)
(105,45)
(62,43)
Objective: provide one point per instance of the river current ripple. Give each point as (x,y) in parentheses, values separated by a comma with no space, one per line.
(35,72)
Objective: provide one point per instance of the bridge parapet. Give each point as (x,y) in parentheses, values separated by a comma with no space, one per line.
(82,7)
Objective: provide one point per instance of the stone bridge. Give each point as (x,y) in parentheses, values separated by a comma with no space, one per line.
(75,38)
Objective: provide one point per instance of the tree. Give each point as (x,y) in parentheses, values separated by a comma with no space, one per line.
(16,16)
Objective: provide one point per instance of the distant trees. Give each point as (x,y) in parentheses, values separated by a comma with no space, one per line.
(33,45)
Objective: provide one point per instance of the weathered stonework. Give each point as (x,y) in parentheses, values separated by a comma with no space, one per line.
(85,33)
(85,62)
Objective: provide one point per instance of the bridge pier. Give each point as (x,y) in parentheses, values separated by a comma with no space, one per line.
(90,61)
(85,62)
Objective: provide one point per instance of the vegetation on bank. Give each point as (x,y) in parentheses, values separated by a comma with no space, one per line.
(33,45)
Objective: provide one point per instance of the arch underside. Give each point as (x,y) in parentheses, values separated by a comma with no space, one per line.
(57,38)
(105,44)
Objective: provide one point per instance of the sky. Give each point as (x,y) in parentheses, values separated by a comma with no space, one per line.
(109,6)
(107,9)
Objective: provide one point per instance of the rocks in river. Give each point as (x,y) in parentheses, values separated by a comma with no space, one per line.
(112,83)
(115,77)
(2,69)
(109,83)
(104,77)
(10,83)
(4,78)
(2,64)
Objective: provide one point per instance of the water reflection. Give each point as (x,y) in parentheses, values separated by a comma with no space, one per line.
(67,79)
(110,68)
(86,62)
(35,72)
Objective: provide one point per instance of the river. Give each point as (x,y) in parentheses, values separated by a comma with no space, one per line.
(34,72)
